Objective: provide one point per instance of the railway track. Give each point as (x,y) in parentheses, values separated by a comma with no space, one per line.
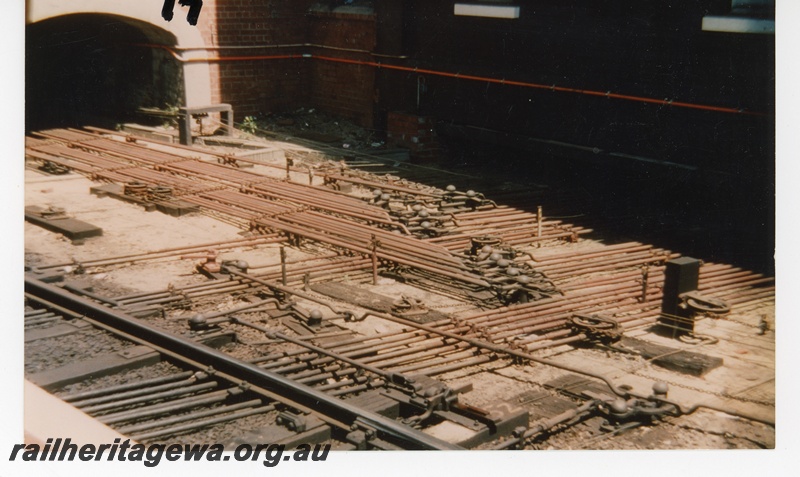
(496,288)
(215,377)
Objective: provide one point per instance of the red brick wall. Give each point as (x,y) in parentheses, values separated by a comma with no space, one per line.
(264,85)
(258,85)
(347,90)
(413,132)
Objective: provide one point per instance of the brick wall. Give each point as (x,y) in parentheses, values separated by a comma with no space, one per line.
(253,28)
(266,85)
(413,132)
(347,90)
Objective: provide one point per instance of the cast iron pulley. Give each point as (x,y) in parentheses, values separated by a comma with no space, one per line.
(596,326)
(704,304)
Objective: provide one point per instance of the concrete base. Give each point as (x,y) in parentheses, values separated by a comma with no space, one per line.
(71,228)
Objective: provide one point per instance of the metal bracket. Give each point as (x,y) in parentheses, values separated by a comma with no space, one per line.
(293,422)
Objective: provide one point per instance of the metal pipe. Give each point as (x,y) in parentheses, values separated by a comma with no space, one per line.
(167,407)
(484,79)
(283,266)
(171,431)
(285,289)
(275,334)
(125,387)
(393,257)
(149,397)
(145,426)
(133,393)
(459,364)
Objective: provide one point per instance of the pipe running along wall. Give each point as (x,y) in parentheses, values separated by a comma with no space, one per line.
(485,79)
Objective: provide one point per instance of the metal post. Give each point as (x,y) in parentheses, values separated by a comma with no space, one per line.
(374,243)
(539,221)
(681,275)
(645,276)
(185,127)
(283,266)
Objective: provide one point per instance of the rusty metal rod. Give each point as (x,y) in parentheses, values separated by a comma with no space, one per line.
(386,255)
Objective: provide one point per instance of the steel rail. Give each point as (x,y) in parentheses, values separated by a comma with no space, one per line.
(313,399)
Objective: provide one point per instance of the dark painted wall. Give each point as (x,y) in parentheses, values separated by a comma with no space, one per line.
(657,50)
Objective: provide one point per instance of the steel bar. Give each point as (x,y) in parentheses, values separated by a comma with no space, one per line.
(217,156)
(543,258)
(364,249)
(166,407)
(275,334)
(425,365)
(132,258)
(382,185)
(125,387)
(412,355)
(150,397)
(145,426)
(149,391)
(459,364)
(171,431)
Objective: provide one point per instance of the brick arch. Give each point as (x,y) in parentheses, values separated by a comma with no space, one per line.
(145,15)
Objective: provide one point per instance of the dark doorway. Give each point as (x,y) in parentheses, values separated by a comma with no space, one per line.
(94,70)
